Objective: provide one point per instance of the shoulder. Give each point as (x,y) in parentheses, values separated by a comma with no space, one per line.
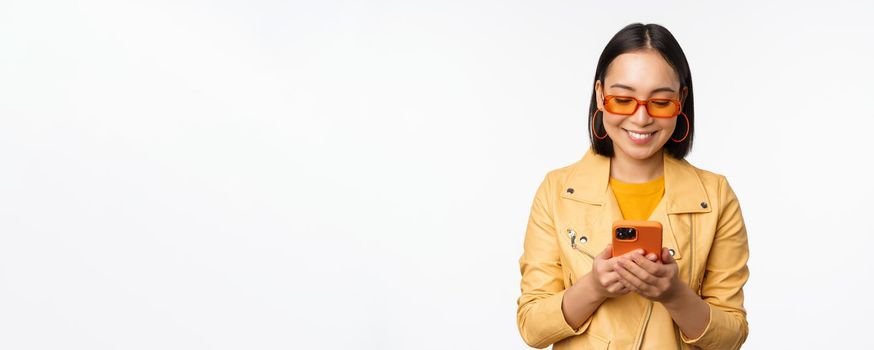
(710,179)
(554,179)
(715,184)
(587,168)
(562,173)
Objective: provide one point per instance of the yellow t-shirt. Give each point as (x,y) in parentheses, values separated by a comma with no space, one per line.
(638,200)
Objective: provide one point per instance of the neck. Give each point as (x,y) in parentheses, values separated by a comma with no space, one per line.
(627,169)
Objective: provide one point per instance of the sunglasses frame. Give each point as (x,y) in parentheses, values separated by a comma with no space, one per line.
(676,102)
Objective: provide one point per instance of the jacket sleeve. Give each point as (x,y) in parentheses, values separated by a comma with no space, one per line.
(538,316)
(725,275)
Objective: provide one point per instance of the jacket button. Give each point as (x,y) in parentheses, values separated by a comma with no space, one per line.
(583,239)
(704,204)
(672,251)
(570,190)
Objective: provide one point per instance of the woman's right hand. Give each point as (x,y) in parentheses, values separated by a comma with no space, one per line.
(605,280)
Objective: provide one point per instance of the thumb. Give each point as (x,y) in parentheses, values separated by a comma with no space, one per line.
(607,253)
(666,256)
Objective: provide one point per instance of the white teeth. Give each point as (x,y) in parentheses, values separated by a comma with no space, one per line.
(639,136)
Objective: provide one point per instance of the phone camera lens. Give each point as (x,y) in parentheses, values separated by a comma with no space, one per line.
(624,233)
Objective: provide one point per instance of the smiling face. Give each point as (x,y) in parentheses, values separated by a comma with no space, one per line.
(643,75)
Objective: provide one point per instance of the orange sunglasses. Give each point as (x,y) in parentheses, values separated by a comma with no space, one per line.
(656,107)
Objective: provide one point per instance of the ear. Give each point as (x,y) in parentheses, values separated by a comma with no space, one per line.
(599,96)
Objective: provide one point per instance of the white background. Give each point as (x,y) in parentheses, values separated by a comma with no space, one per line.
(358,175)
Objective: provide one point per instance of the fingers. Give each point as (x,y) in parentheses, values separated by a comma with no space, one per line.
(650,256)
(616,285)
(626,287)
(639,272)
(610,279)
(666,256)
(618,288)
(649,266)
(630,279)
(607,253)
(614,288)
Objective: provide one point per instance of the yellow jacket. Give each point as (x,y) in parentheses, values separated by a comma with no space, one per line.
(702,223)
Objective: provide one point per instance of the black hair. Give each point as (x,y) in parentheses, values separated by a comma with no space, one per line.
(635,37)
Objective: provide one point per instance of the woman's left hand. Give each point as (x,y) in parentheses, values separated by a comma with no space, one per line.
(654,280)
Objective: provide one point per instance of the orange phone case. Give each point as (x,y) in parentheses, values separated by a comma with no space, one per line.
(649,237)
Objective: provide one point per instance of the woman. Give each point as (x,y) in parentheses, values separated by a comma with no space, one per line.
(574,293)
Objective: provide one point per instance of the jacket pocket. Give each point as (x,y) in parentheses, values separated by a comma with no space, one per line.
(597,342)
(569,278)
(581,264)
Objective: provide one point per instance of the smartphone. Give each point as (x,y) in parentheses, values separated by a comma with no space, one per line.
(629,235)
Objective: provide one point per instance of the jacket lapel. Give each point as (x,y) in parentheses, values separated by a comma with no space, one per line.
(684,193)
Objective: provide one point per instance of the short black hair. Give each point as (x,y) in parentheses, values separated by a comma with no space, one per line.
(634,37)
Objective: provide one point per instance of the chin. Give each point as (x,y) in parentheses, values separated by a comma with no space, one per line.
(639,153)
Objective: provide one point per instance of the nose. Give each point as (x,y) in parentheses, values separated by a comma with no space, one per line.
(641,116)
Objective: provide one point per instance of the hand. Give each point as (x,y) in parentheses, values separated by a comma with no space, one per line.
(654,280)
(607,283)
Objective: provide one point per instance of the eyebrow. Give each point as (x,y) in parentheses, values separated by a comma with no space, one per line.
(621,86)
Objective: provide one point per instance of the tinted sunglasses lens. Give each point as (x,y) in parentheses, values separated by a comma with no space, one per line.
(662,108)
(620,105)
